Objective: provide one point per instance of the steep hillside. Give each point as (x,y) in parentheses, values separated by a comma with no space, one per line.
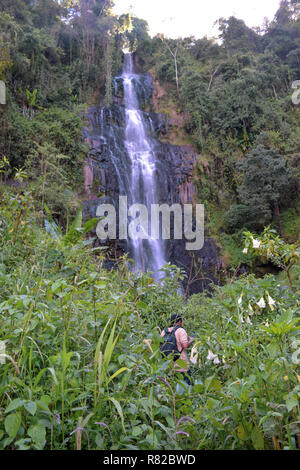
(234,102)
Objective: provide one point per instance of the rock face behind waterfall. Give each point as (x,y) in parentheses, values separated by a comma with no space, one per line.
(107,174)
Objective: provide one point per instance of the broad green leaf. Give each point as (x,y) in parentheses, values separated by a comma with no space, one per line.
(166,430)
(30,407)
(291,402)
(137,431)
(100,285)
(22,444)
(86,420)
(38,434)
(181,363)
(43,405)
(141,305)
(257,439)
(110,345)
(7,441)
(14,404)
(51,226)
(212,403)
(12,424)
(51,229)
(241,433)
(211,383)
(98,359)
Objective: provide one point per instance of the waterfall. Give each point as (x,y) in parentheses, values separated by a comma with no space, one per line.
(128,158)
(148,253)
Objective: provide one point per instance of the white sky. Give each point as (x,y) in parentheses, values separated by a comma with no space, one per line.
(182,18)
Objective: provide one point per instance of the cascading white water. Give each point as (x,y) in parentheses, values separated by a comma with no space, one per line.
(127,158)
(148,253)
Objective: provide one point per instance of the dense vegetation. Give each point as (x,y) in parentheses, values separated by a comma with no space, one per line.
(80,366)
(56,57)
(235,98)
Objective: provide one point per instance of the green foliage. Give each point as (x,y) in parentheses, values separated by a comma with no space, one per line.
(82,367)
(75,233)
(265,174)
(291,223)
(235,96)
(237,36)
(52,68)
(232,246)
(44,166)
(270,246)
(48,64)
(240,215)
(50,147)
(267,183)
(230,99)
(136,33)
(246,363)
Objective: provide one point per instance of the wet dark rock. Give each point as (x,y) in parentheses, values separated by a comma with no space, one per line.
(202,266)
(160,124)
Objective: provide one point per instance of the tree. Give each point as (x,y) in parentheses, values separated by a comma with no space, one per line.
(45,13)
(236,36)
(268,183)
(49,180)
(137,31)
(205,49)
(283,14)
(19,9)
(283,32)
(173,52)
(287,12)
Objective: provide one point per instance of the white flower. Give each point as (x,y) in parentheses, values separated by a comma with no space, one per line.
(194,355)
(261,303)
(250,309)
(245,251)
(240,299)
(241,319)
(248,320)
(212,357)
(267,324)
(271,302)
(256,243)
